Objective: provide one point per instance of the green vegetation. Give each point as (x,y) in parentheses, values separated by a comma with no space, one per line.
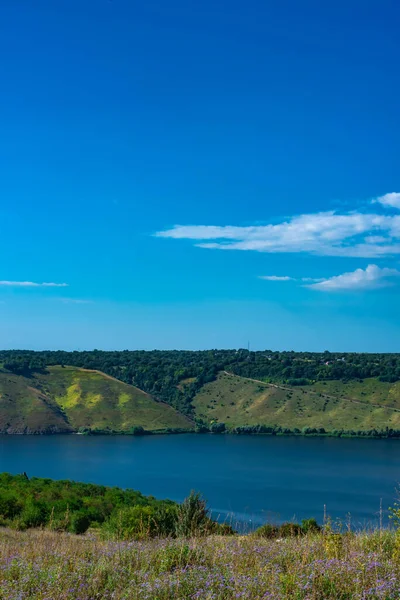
(176,376)
(66,399)
(25,409)
(217,390)
(61,539)
(115,513)
(322,565)
(237,401)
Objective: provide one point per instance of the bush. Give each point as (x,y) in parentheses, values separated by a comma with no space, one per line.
(290,529)
(34,514)
(310,526)
(141,522)
(137,430)
(287,529)
(192,516)
(131,523)
(220,529)
(218,428)
(267,531)
(9,505)
(80,523)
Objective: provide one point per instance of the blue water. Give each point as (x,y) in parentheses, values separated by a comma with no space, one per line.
(245,478)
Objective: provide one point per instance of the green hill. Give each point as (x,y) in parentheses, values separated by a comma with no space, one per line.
(360,406)
(40,398)
(64,399)
(25,409)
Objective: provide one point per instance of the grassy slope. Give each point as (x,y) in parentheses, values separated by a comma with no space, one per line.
(367,390)
(24,409)
(240,401)
(65,399)
(87,398)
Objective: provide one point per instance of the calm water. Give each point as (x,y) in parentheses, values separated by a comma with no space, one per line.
(251,477)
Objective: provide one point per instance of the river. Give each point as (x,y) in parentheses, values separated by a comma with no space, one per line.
(246,479)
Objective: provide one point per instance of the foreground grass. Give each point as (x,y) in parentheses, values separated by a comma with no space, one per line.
(48,566)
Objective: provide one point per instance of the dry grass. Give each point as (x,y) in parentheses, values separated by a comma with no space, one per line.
(48,566)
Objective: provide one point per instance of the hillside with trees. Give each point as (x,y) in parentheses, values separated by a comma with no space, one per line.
(291,390)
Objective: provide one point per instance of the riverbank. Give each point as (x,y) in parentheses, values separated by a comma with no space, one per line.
(254,430)
(41,565)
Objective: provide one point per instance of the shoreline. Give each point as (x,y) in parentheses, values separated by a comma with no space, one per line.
(368,436)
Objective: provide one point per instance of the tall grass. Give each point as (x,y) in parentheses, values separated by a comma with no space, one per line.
(46,565)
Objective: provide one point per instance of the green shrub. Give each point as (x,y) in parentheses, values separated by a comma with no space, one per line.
(290,529)
(218,428)
(310,526)
(80,522)
(137,430)
(267,531)
(192,516)
(9,505)
(131,523)
(220,528)
(34,514)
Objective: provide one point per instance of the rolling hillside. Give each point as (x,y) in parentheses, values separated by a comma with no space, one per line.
(238,401)
(63,399)
(25,409)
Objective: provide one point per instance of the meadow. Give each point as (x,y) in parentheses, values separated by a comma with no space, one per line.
(62,540)
(44,565)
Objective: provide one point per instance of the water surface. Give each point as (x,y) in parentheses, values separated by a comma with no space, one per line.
(250,477)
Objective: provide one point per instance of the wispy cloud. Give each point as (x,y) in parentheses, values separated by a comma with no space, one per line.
(371,278)
(287,278)
(32,284)
(276,278)
(392,199)
(312,279)
(329,233)
(75,301)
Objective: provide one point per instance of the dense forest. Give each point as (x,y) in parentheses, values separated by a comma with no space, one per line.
(175,377)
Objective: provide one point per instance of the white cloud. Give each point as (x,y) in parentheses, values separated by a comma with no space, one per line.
(31,284)
(370,278)
(392,199)
(353,234)
(276,278)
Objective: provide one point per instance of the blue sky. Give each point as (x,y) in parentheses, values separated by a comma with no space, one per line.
(200,174)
